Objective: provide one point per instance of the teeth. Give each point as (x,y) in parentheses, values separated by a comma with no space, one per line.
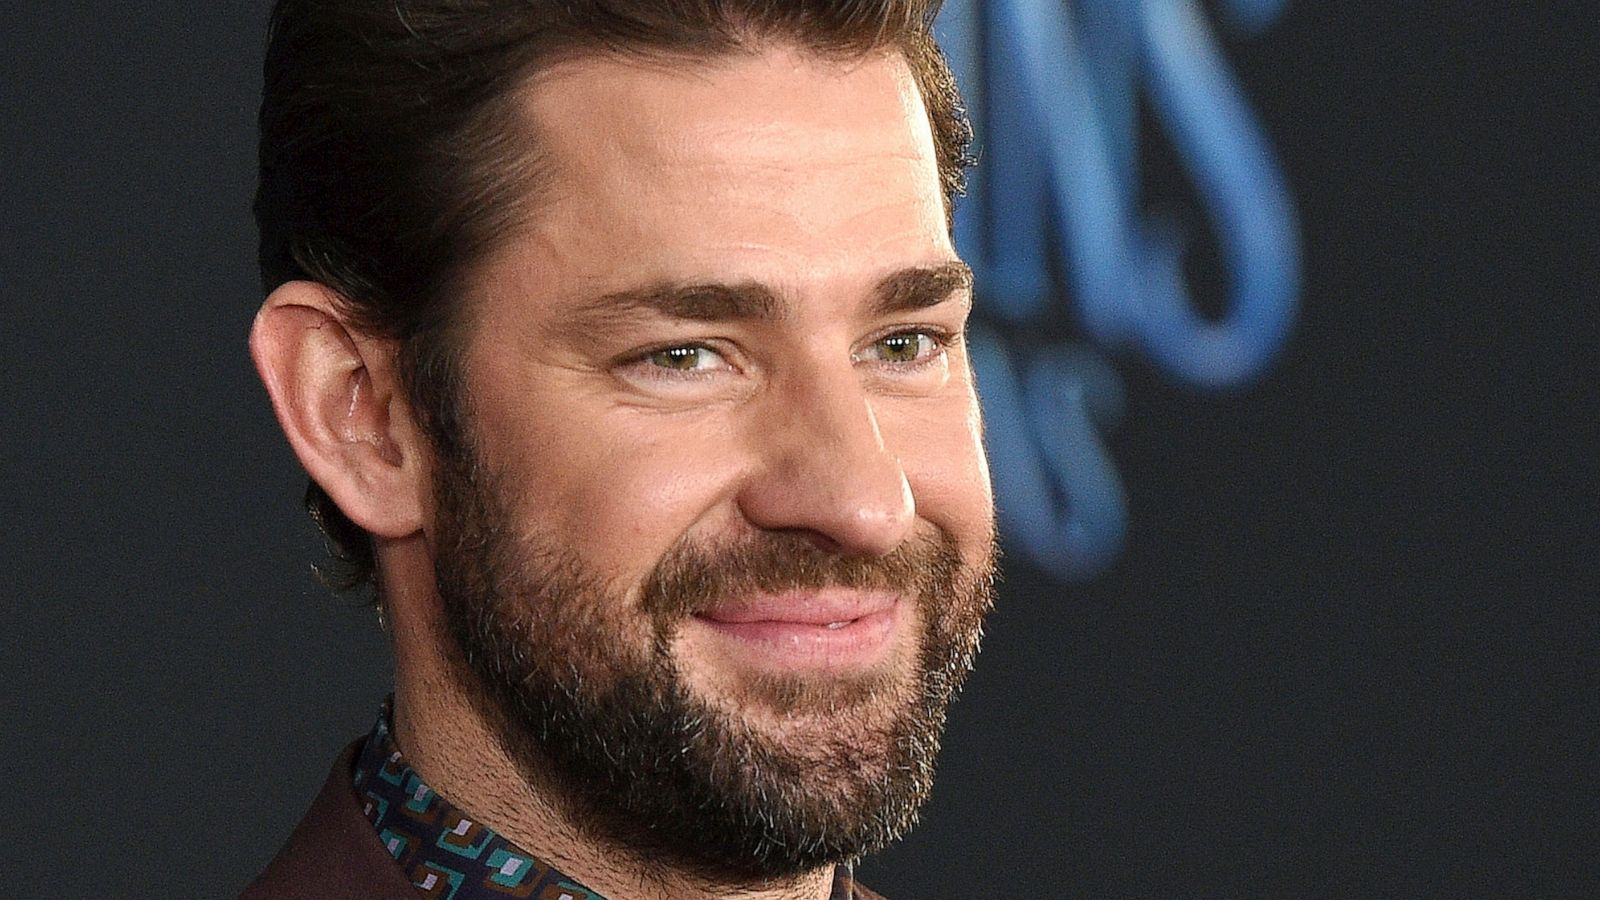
(832,626)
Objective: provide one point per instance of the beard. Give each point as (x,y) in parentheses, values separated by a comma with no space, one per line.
(774,776)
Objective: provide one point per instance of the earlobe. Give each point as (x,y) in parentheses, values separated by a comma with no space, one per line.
(336,394)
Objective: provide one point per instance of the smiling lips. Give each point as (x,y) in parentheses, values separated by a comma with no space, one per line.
(808,631)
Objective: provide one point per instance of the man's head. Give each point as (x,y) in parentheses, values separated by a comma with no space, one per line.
(637,358)
(393,154)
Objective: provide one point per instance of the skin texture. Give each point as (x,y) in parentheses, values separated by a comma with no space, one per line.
(622,430)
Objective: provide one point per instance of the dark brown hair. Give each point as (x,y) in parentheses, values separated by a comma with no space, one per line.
(390,162)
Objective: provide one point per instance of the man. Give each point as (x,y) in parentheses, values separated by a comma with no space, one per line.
(623,345)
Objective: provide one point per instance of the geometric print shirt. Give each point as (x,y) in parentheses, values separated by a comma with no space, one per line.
(443,851)
(447,854)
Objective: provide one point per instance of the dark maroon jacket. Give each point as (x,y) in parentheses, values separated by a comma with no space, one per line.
(333,854)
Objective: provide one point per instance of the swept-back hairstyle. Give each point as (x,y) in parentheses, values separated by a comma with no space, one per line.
(391,156)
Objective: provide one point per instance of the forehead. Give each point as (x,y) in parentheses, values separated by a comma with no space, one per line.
(770,160)
(764,95)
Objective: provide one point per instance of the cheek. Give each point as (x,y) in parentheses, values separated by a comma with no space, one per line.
(940,447)
(619,487)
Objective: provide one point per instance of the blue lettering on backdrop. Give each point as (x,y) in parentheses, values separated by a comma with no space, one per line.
(1054,96)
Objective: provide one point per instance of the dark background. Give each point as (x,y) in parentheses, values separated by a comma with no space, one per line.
(1351,649)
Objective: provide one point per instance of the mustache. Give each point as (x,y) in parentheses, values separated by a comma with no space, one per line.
(693,577)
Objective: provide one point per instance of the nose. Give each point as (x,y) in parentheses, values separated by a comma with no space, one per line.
(825,471)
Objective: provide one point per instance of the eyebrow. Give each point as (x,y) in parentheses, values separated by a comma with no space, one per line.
(698,302)
(917,288)
(907,290)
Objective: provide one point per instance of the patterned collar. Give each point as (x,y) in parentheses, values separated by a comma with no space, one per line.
(448,855)
(443,851)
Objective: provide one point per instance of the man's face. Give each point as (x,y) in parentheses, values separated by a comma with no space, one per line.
(721,538)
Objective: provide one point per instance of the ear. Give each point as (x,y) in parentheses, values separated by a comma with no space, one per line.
(338,398)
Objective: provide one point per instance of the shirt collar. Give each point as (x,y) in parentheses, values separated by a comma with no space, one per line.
(443,850)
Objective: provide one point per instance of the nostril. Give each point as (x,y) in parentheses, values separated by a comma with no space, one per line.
(822,541)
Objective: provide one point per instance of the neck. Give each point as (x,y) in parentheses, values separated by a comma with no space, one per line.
(459,755)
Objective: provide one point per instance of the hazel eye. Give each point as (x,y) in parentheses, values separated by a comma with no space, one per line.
(689,358)
(904,348)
